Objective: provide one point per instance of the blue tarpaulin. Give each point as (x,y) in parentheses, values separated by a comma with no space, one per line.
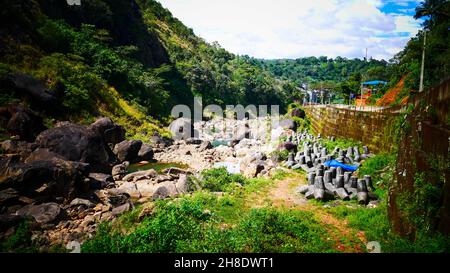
(335,163)
(374,83)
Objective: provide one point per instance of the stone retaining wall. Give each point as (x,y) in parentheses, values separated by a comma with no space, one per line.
(424,148)
(373,128)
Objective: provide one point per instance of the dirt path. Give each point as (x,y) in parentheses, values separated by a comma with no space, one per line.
(347,239)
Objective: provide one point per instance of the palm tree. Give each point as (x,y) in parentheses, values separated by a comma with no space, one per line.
(436,10)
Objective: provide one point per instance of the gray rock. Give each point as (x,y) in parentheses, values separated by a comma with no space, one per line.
(78,143)
(119,171)
(183,184)
(303,189)
(121,209)
(176,171)
(194,141)
(145,153)
(165,190)
(103,180)
(56,177)
(206,145)
(115,197)
(288,124)
(131,189)
(43,214)
(81,202)
(8,197)
(142,175)
(112,133)
(128,150)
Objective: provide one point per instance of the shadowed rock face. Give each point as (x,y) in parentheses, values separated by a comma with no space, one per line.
(78,143)
(128,150)
(39,96)
(44,177)
(111,132)
(20,121)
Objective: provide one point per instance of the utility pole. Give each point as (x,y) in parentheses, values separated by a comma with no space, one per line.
(362,81)
(422,71)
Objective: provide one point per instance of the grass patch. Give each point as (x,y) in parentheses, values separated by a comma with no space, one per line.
(340,143)
(375,224)
(187,226)
(208,222)
(219,180)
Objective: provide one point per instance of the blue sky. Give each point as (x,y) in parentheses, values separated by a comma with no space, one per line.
(273,29)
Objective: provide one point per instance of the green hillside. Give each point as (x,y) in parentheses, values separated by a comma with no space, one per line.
(130,60)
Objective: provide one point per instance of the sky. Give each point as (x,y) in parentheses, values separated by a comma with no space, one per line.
(280,29)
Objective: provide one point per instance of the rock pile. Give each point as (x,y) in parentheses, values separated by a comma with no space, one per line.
(327,183)
(237,142)
(70,179)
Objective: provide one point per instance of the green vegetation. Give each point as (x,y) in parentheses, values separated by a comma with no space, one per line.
(422,206)
(20,241)
(375,222)
(210,71)
(207,222)
(380,168)
(322,71)
(345,76)
(342,143)
(158,167)
(218,180)
(437,64)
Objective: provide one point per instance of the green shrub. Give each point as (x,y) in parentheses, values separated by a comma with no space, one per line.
(280,155)
(20,241)
(187,227)
(340,143)
(220,180)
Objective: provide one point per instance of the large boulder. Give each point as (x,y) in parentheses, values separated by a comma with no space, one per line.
(78,143)
(43,214)
(119,171)
(111,132)
(160,141)
(40,97)
(165,190)
(45,178)
(21,148)
(145,153)
(288,124)
(20,121)
(183,184)
(142,175)
(128,150)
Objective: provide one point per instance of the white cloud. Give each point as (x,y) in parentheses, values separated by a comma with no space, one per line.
(406,24)
(296,28)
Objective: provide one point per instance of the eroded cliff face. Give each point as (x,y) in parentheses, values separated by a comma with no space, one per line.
(419,198)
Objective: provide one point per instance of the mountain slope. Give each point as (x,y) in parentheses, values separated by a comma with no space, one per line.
(129,60)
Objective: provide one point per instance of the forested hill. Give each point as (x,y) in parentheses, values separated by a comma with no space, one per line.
(314,70)
(130,60)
